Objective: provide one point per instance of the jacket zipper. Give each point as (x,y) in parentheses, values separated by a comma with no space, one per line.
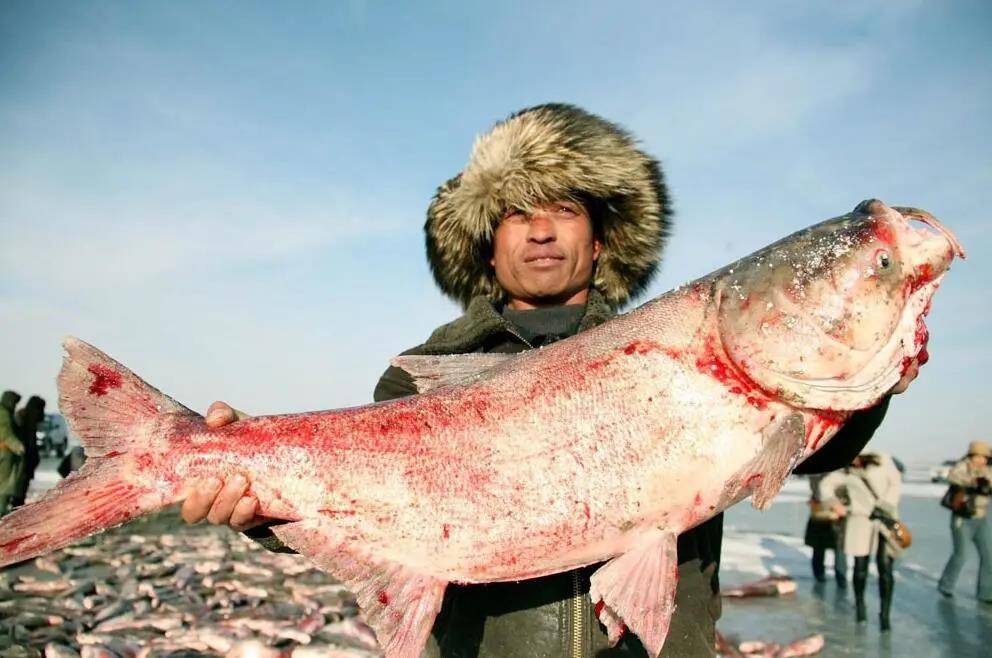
(578,626)
(509,328)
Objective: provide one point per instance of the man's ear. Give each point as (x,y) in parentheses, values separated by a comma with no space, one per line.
(597,247)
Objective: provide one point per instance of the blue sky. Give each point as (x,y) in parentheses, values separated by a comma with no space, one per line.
(228,197)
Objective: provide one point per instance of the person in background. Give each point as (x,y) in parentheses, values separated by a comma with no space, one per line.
(973,475)
(860,494)
(11,449)
(26,421)
(823,533)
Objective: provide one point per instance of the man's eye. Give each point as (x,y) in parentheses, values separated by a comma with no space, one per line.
(514,216)
(566,210)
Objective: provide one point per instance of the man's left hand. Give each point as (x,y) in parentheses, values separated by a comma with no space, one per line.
(912,371)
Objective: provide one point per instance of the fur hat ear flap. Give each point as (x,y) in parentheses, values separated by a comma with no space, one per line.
(542,154)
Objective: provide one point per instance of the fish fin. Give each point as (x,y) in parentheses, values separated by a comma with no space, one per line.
(91,500)
(103,401)
(781,447)
(398,603)
(637,590)
(111,410)
(430,372)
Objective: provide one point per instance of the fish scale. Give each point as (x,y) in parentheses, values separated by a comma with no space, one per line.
(599,448)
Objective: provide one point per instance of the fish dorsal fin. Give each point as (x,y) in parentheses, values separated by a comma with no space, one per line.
(399,604)
(636,590)
(430,372)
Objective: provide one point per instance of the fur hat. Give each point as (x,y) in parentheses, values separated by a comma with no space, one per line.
(538,155)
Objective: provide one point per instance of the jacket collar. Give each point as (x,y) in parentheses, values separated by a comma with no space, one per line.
(482,319)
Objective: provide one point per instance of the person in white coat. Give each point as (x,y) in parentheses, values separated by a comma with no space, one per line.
(870,487)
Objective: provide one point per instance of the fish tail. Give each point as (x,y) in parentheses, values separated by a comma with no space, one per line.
(114,413)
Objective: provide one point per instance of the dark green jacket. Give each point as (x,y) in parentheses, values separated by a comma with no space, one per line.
(553,616)
(11,450)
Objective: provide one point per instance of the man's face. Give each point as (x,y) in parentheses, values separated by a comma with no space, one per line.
(545,257)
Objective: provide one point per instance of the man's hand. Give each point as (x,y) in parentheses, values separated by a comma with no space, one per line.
(222,502)
(912,370)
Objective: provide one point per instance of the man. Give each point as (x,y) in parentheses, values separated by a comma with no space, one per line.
(557,221)
(27,420)
(11,449)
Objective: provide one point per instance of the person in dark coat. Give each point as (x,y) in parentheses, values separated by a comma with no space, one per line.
(558,220)
(823,534)
(27,420)
(11,449)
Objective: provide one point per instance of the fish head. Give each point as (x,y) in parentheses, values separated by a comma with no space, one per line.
(832,316)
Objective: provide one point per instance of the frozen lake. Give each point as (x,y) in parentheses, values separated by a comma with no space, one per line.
(924,623)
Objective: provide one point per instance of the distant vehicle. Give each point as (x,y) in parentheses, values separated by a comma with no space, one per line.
(940,473)
(53,435)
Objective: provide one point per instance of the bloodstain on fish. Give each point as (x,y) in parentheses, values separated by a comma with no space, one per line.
(923,275)
(818,427)
(638,347)
(383,598)
(446,530)
(14,543)
(104,378)
(884,233)
(720,368)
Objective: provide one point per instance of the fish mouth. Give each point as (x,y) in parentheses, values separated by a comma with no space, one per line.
(928,219)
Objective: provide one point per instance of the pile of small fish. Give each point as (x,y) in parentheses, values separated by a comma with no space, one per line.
(158,587)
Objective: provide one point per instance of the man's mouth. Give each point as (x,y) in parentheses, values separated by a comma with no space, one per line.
(543,259)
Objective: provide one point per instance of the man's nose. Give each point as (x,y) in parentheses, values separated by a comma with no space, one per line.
(541,228)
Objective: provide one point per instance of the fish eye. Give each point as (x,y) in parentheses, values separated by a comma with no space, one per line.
(882,259)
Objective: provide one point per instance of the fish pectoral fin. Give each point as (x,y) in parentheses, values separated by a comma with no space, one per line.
(636,590)
(399,604)
(430,372)
(781,447)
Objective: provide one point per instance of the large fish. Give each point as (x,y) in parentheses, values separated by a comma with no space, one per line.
(600,448)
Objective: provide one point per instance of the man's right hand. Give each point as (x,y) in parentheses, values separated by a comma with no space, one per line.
(218,501)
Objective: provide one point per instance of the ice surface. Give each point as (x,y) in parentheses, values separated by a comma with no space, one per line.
(924,623)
